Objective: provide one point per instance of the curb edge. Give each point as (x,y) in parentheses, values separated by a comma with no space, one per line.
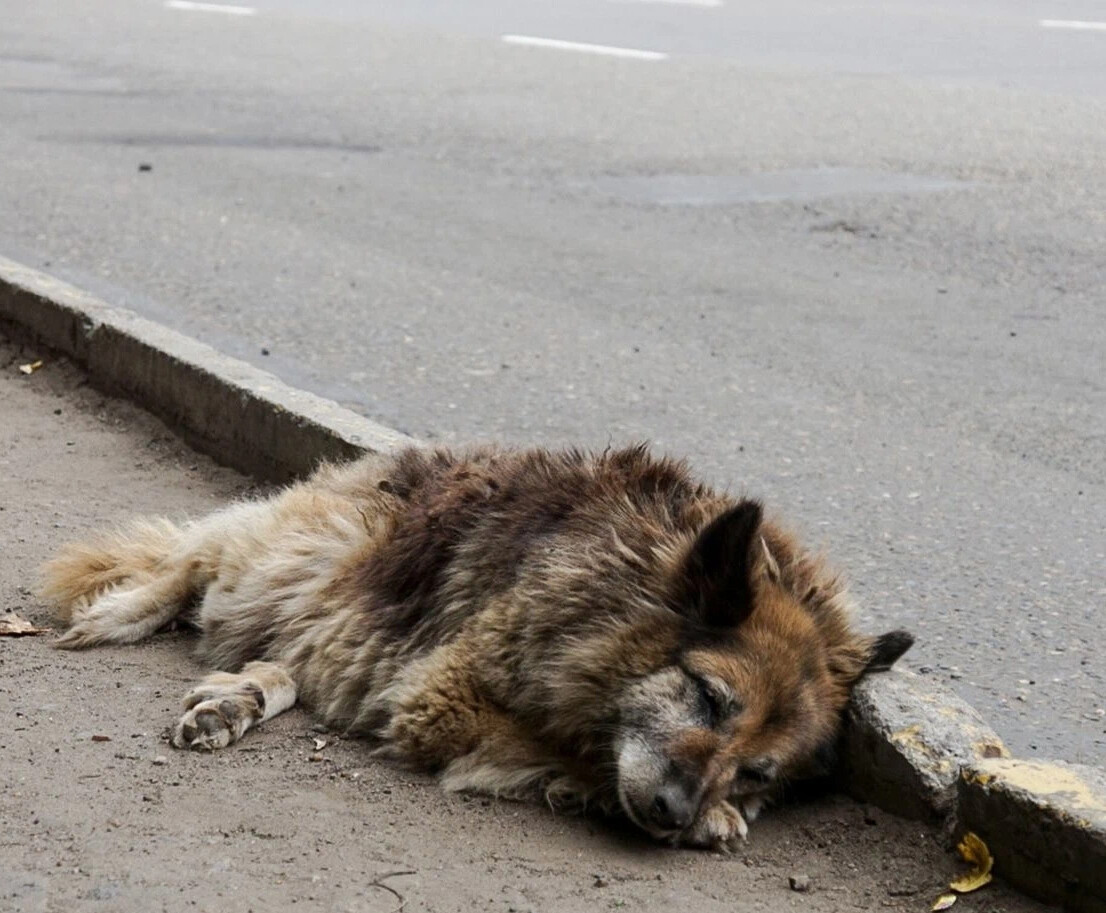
(240,415)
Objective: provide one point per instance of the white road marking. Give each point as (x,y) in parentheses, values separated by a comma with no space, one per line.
(584,48)
(1073,24)
(674,2)
(211,7)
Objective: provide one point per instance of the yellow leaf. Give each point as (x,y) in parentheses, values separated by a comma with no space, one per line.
(973,881)
(31,367)
(974,851)
(943,902)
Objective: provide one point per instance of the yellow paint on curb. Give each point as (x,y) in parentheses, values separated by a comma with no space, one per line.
(909,734)
(974,776)
(990,749)
(1043,779)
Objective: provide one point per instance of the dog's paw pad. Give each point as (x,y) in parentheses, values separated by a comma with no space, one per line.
(208,725)
(217,716)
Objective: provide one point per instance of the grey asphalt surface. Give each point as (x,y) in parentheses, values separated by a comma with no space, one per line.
(847,257)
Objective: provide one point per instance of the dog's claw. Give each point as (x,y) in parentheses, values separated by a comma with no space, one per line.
(721,827)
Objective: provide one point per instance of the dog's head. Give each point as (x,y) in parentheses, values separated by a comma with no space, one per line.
(755,690)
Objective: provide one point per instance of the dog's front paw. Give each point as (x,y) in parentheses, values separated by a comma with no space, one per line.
(720,827)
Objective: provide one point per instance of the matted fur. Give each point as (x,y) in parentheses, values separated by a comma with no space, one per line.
(600,627)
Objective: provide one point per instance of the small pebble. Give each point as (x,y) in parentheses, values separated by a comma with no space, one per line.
(799,882)
(160,759)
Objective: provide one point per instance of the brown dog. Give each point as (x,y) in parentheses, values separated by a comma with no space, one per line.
(597,628)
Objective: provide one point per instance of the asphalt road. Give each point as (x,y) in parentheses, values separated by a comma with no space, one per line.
(849,257)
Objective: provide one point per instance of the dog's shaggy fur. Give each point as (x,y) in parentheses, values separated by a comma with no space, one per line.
(600,628)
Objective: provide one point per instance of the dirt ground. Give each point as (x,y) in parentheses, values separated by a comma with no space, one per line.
(100,813)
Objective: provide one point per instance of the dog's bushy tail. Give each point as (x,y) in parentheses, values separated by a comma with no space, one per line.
(120,586)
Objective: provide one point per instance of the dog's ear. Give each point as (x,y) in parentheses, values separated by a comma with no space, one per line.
(717,588)
(885,649)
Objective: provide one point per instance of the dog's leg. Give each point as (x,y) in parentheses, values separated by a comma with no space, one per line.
(507,762)
(224,705)
(128,614)
(115,562)
(441,720)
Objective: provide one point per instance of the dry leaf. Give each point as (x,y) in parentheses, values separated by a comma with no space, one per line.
(973,881)
(973,850)
(943,902)
(101,738)
(11,625)
(320,744)
(31,367)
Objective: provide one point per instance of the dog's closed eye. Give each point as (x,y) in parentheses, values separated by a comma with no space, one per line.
(718,703)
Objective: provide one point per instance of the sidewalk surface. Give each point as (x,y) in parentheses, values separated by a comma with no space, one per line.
(129,824)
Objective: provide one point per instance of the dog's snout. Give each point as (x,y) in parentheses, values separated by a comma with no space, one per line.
(759,770)
(672,808)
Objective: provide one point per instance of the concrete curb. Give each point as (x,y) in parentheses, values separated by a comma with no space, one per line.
(1045,823)
(916,749)
(906,740)
(240,415)
(910,747)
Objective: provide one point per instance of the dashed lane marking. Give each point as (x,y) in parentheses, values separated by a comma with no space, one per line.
(211,8)
(710,3)
(582,47)
(1081,24)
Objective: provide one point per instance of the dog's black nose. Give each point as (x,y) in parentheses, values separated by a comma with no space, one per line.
(759,770)
(672,808)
